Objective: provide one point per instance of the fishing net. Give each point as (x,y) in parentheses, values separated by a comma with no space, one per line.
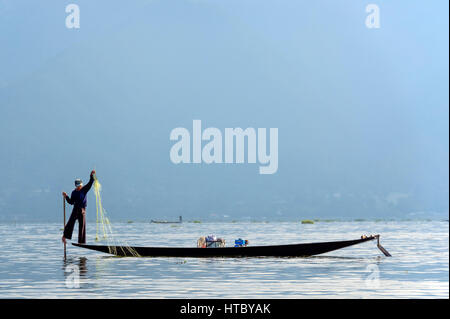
(103,227)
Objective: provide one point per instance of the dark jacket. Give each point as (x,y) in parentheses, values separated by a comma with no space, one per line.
(78,198)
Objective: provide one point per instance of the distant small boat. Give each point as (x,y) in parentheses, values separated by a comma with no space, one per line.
(293,250)
(167,222)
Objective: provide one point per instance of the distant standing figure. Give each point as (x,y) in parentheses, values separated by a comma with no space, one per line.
(78,199)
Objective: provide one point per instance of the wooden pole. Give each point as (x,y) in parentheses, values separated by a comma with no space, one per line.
(64,209)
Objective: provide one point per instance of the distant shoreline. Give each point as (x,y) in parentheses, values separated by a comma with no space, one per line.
(241,221)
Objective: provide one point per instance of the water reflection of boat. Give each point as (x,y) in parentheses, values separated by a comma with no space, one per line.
(167,222)
(292,250)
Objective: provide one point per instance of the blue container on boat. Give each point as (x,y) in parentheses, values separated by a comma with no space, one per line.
(239,242)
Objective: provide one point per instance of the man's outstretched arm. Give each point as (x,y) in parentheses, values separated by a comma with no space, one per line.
(88,186)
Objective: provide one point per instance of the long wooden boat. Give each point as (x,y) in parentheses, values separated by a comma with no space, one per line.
(293,250)
(179,221)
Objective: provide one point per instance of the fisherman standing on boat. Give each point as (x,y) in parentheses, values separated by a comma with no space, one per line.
(78,199)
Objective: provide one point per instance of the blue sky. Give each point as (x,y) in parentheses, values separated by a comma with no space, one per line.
(362,113)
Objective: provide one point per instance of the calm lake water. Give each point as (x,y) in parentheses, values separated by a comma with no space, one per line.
(32,265)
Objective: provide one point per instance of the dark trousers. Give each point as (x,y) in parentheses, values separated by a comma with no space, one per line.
(80,215)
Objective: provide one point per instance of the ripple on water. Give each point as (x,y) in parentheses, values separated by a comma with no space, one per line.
(32,264)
